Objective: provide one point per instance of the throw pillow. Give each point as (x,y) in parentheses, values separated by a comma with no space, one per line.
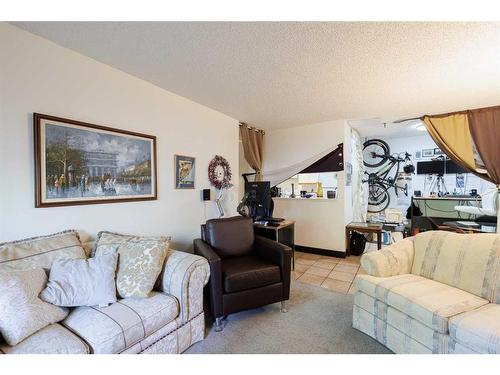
(22,313)
(140,261)
(109,242)
(82,282)
(40,252)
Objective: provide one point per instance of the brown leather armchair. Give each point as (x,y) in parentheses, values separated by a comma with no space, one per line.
(246,271)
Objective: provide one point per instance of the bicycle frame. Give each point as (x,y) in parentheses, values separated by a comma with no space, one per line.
(381,176)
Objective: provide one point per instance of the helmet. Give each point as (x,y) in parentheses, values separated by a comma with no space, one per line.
(410,168)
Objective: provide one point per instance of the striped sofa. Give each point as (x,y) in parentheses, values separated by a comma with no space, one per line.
(169,321)
(437,292)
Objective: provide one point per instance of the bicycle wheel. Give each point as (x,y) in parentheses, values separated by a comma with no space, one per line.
(378,198)
(375,153)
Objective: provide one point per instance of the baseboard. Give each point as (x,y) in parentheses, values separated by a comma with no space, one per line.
(317,251)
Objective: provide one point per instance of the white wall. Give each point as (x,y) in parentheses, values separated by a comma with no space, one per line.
(39,76)
(319,223)
(285,147)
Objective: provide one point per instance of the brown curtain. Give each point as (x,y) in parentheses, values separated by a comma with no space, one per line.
(484,126)
(252,140)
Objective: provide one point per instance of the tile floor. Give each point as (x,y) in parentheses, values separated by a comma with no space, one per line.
(336,274)
(332,273)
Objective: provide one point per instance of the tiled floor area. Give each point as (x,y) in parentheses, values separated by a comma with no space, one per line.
(336,274)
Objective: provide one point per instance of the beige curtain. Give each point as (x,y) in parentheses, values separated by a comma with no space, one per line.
(252,140)
(451,133)
(471,138)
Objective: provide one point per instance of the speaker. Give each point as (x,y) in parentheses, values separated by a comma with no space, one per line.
(205,194)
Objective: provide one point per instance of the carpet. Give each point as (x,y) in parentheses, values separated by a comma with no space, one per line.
(318,321)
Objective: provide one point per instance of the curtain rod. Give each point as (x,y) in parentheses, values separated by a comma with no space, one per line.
(447,114)
(462,112)
(252,127)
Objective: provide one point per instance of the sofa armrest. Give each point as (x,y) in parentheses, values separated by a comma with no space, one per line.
(396,259)
(184,275)
(279,254)
(203,249)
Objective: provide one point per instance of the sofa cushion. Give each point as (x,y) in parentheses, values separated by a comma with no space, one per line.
(248,272)
(117,327)
(230,237)
(139,264)
(40,252)
(22,312)
(386,334)
(409,327)
(470,262)
(53,339)
(478,329)
(428,301)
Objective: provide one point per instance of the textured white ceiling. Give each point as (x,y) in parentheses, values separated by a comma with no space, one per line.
(282,74)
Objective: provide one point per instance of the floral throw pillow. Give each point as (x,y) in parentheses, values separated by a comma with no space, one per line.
(140,261)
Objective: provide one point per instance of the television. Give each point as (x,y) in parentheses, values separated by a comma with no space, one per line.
(439,167)
(452,167)
(259,201)
(430,167)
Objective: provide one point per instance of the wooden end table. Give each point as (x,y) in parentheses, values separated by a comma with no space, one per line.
(364,228)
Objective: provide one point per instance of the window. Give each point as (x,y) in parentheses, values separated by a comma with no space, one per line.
(309,186)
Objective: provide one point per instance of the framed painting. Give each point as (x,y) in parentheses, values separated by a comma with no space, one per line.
(428,152)
(80,163)
(438,151)
(184,167)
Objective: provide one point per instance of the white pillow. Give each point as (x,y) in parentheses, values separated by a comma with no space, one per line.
(22,313)
(82,282)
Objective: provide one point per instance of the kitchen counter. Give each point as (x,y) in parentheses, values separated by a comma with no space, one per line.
(304,199)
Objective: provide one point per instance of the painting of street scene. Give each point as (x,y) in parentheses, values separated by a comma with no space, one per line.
(85,164)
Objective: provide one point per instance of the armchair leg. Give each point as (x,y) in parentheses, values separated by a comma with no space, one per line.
(284,306)
(218,325)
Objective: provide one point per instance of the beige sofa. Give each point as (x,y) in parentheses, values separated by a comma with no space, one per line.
(169,321)
(437,292)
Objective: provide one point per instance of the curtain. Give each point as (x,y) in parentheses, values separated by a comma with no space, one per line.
(451,133)
(472,139)
(484,125)
(332,162)
(252,140)
(359,190)
(277,176)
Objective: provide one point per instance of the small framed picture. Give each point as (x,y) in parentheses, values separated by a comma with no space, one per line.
(184,167)
(438,151)
(428,152)
(418,154)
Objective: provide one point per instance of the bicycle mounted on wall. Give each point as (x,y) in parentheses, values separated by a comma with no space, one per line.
(376,153)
